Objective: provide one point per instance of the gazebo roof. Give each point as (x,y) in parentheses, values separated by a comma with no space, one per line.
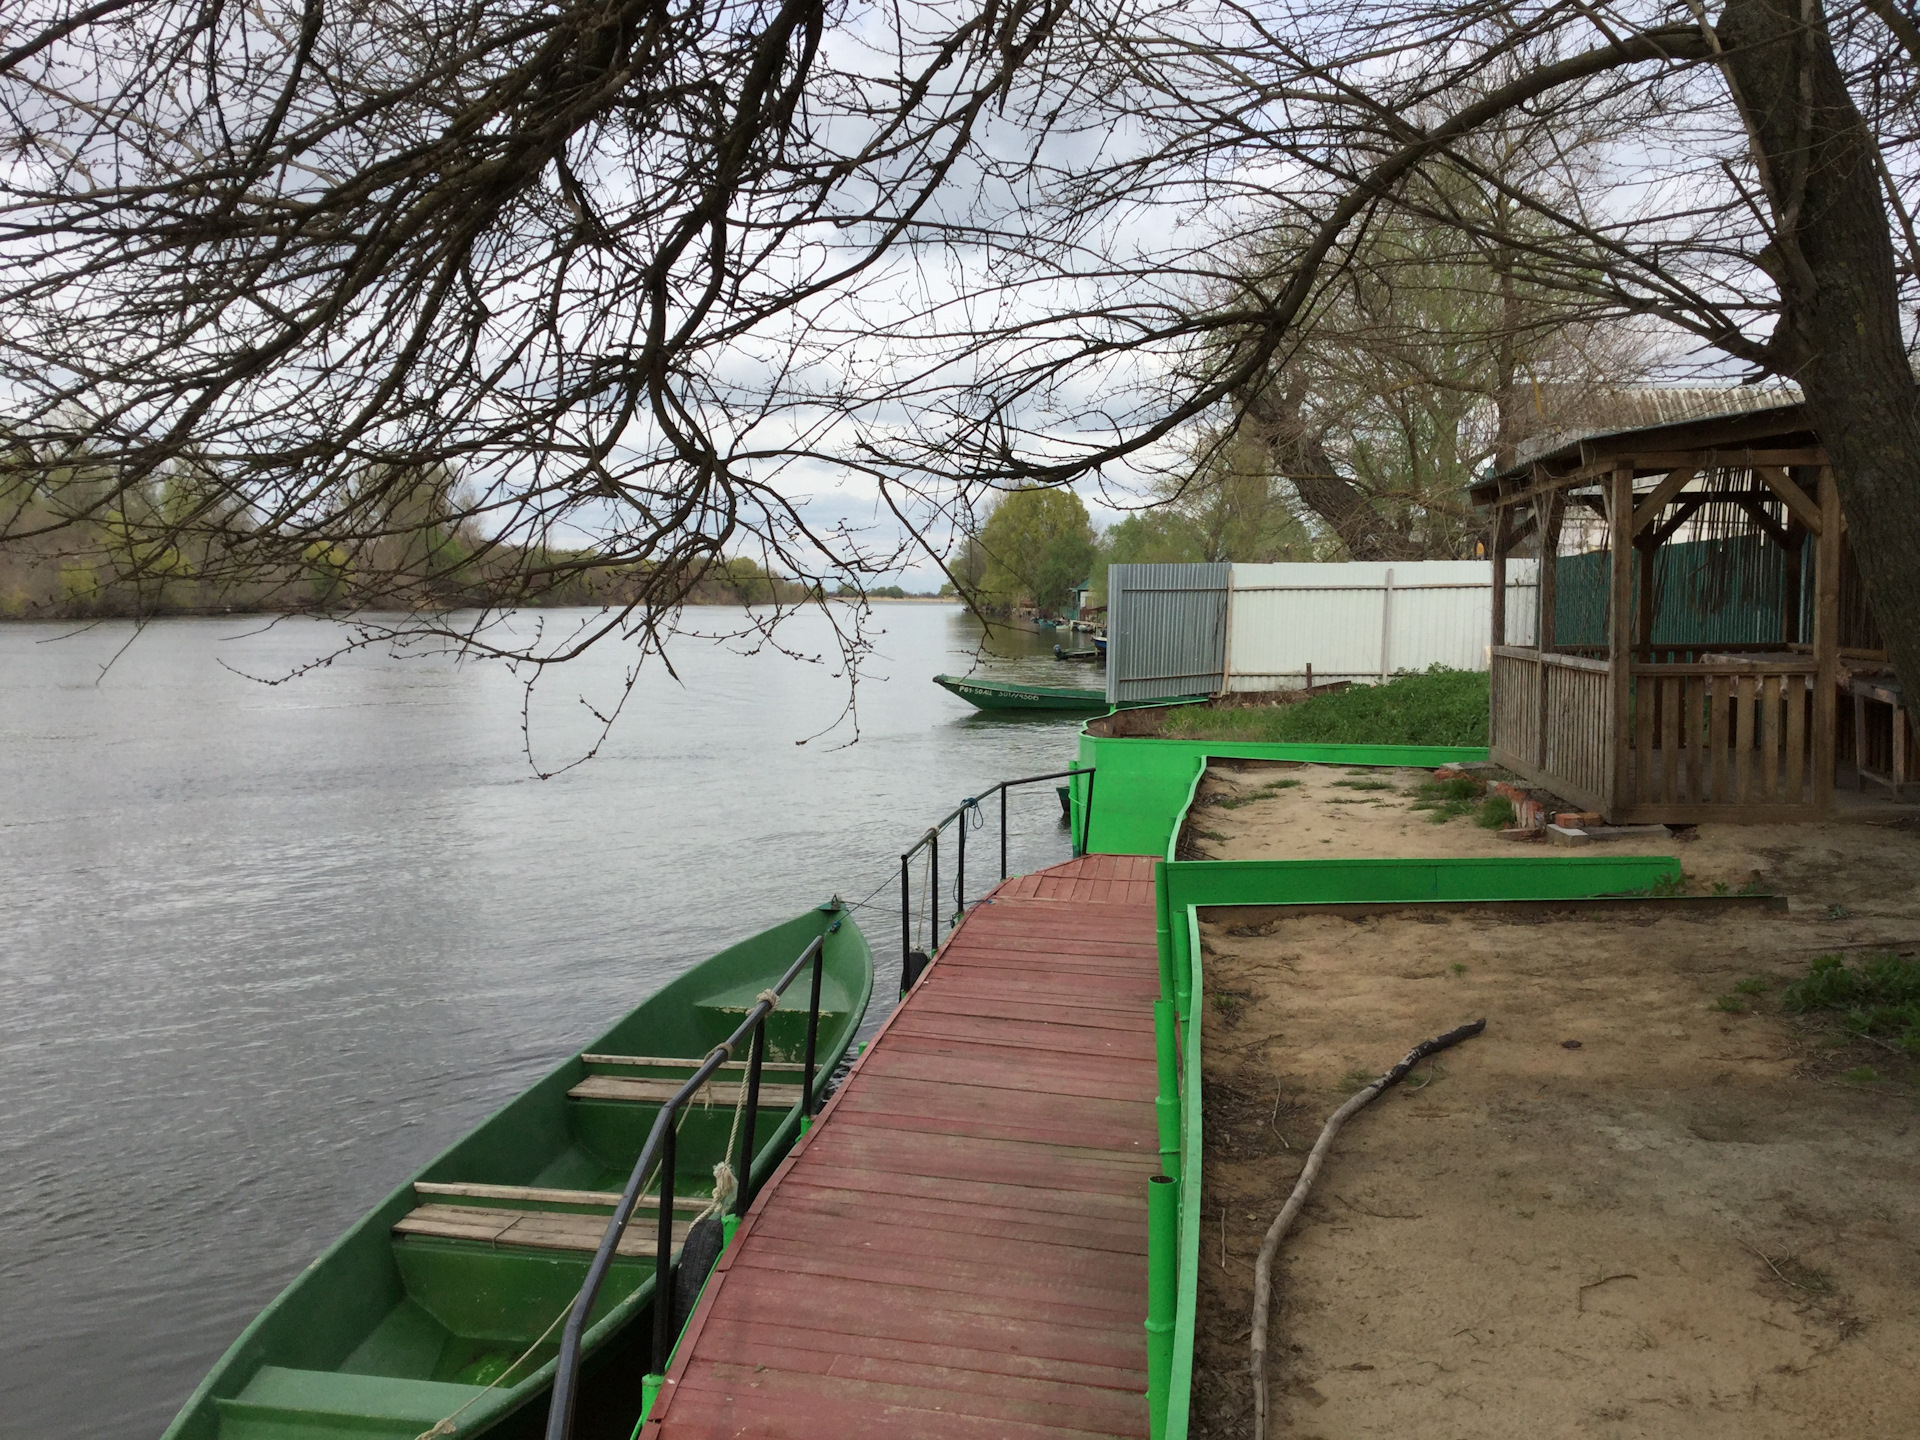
(1743,433)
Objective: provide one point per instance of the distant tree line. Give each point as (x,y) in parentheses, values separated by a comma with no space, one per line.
(86,545)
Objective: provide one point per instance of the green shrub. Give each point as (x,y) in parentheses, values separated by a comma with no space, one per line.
(1446,798)
(1496,813)
(1880,996)
(1436,707)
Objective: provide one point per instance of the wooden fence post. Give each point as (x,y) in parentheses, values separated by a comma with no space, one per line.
(1619,637)
(1826,641)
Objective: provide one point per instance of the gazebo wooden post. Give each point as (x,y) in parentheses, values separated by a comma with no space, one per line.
(1620,639)
(1826,640)
(1546,597)
(1547,594)
(1502,528)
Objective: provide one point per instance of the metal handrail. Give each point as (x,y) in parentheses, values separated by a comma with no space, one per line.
(661,1144)
(932,839)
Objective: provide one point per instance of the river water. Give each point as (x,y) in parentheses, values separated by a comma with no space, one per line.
(265,949)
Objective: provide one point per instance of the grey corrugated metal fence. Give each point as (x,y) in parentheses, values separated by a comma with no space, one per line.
(1166,630)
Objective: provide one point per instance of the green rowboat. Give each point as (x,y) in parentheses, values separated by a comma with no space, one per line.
(1003,695)
(418,1314)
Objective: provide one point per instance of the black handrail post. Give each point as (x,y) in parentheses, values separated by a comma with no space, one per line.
(1086,822)
(813,1029)
(744,1189)
(906,924)
(960,885)
(1002,787)
(933,893)
(663,1336)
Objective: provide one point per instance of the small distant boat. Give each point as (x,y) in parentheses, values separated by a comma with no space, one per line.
(437,1311)
(1100,646)
(1060,652)
(1004,695)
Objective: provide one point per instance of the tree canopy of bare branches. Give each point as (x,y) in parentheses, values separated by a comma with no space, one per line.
(649,280)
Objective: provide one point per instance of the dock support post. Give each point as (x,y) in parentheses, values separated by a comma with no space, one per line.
(1167,1103)
(1163,1241)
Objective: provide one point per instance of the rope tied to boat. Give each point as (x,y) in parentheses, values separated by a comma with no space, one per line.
(726,1185)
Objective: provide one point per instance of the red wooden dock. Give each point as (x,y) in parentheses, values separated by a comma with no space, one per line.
(959,1247)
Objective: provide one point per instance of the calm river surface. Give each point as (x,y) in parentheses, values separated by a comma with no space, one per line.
(267,949)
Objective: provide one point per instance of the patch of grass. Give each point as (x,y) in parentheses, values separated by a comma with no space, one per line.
(1265,792)
(1754,985)
(1366,784)
(1732,1004)
(1859,1075)
(1445,799)
(1213,835)
(1667,886)
(1496,813)
(1434,707)
(1458,968)
(1357,1079)
(1880,996)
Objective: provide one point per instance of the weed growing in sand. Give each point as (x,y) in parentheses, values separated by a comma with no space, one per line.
(1732,1004)
(1357,1079)
(1445,799)
(1879,997)
(1496,813)
(1366,784)
(1458,968)
(1861,1075)
(1213,835)
(1266,792)
(1754,985)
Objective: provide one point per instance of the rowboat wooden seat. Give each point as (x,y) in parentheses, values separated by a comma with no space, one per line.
(532,1229)
(685,1066)
(671,1072)
(279,1398)
(530,1196)
(658,1090)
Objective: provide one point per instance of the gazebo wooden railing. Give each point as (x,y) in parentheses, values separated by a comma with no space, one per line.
(1675,733)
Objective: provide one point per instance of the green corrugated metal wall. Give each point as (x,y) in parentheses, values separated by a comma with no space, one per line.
(1690,608)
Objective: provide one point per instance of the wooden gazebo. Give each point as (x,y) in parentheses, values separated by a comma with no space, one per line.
(1654,717)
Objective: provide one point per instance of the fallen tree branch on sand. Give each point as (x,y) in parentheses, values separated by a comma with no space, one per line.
(1263,1268)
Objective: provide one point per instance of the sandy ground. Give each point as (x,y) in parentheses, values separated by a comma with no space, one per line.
(1253,810)
(1697,1222)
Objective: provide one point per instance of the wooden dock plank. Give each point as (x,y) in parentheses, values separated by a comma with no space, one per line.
(957,1251)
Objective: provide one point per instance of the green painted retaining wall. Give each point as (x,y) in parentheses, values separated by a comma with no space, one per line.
(1144,788)
(1142,785)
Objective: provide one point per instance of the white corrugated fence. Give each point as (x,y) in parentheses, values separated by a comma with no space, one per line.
(1360,620)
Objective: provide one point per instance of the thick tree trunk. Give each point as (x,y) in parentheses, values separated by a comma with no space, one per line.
(1299,455)
(1839,329)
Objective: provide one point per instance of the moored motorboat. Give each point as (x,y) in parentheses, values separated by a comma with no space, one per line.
(441,1309)
(1010,695)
